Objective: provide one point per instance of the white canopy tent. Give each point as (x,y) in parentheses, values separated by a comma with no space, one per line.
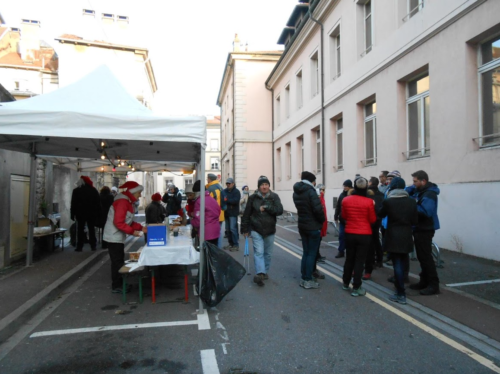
(94,123)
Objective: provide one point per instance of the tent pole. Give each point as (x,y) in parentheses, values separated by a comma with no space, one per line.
(32,208)
(202,223)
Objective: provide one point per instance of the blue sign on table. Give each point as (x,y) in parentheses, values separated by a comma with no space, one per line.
(157,235)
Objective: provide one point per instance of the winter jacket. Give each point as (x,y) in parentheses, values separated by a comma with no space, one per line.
(401,213)
(173,201)
(215,190)
(212,214)
(427,205)
(85,203)
(244,201)
(155,212)
(262,222)
(233,202)
(383,188)
(308,205)
(338,208)
(324,228)
(359,214)
(106,201)
(120,222)
(378,197)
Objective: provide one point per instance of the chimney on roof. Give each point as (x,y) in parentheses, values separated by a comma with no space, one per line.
(236,43)
(30,39)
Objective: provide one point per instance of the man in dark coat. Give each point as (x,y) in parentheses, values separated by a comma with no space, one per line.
(155,212)
(311,217)
(401,213)
(85,209)
(375,253)
(259,221)
(341,225)
(425,194)
(233,197)
(173,199)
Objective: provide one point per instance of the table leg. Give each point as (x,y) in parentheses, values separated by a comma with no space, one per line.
(186,293)
(153,294)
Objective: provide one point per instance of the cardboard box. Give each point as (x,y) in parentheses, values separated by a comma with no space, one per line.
(157,234)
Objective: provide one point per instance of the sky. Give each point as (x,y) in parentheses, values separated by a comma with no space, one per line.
(188,40)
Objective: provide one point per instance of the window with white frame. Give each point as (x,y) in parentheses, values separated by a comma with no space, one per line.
(417,109)
(214,163)
(370,127)
(414,6)
(187,182)
(278,111)
(340,143)
(489,78)
(278,164)
(335,53)
(301,148)
(314,74)
(287,101)
(299,89)
(289,160)
(167,182)
(214,144)
(368,26)
(318,151)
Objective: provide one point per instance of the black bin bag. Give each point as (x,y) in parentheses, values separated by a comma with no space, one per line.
(220,272)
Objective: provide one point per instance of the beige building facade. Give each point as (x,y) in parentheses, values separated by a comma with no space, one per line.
(395,85)
(246,120)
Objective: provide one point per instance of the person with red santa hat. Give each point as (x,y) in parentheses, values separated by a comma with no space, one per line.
(121,223)
(85,209)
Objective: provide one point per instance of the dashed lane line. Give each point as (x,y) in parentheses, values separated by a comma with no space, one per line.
(478,358)
(473,283)
(209,362)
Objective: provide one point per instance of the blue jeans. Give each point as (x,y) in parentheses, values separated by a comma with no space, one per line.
(221,236)
(341,237)
(262,251)
(399,261)
(233,227)
(310,245)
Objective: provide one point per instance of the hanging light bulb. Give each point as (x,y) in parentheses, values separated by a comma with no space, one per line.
(129,166)
(103,144)
(102,168)
(123,163)
(103,156)
(114,169)
(133,169)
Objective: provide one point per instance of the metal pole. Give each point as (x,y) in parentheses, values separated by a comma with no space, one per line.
(32,208)
(202,222)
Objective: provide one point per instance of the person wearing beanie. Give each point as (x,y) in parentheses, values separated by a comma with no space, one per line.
(358,211)
(401,213)
(233,197)
(311,218)
(85,210)
(217,192)
(173,199)
(339,221)
(155,212)
(119,224)
(212,214)
(259,222)
(114,191)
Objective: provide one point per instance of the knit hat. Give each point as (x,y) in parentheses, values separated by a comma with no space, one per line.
(394,174)
(87,180)
(308,176)
(397,184)
(132,187)
(263,179)
(156,197)
(197,185)
(348,183)
(212,177)
(360,183)
(115,189)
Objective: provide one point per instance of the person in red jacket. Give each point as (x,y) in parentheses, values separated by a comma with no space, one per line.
(359,213)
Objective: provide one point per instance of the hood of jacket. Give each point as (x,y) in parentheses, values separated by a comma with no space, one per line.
(430,187)
(301,187)
(397,193)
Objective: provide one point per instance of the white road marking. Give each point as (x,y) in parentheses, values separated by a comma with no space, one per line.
(224,349)
(219,326)
(209,362)
(109,328)
(203,321)
(286,228)
(461,348)
(472,283)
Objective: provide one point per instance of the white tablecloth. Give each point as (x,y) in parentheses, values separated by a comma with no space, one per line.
(178,251)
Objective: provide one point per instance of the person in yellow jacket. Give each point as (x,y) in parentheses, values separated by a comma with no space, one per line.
(215,189)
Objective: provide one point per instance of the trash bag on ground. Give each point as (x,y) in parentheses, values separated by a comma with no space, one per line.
(220,272)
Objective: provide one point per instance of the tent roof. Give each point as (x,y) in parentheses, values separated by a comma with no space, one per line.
(73,121)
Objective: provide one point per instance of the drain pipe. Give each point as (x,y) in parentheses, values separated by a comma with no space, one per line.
(323,164)
(272,132)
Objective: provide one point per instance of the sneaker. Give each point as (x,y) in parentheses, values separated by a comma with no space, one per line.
(398,299)
(429,291)
(310,284)
(321,260)
(316,274)
(229,246)
(258,278)
(345,287)
(418,286)
(340,255)
(367,276)
(358,292)
(265,276)
(301,283)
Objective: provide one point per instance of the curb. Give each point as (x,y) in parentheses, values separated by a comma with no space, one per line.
(11,323)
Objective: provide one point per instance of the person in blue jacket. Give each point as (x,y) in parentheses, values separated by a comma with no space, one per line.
(426,195)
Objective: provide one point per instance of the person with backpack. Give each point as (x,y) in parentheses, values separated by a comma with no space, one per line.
(217,192)
(259,222)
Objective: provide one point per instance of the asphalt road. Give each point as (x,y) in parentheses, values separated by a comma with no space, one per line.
(279,328)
